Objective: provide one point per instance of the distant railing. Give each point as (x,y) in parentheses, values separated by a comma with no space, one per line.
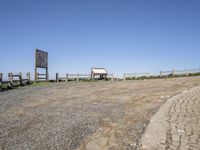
(173,72)
(17,80)
(135,75)
(70,77)
(110,76)
(78,77)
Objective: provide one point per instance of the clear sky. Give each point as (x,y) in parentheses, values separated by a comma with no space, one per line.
(120,35)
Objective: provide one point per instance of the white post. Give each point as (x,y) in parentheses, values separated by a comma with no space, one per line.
(135,75)
(148,75)
(186,72)
(173,72)
(78,77)
(161,74)
(124,77)
(28,77)
(67,77)
(112,77)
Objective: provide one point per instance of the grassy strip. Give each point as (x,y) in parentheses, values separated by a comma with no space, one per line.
(4,87)
(41,83)
(163,77)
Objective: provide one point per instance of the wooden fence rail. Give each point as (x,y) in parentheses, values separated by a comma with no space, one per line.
(15,79)
(78,77)
(110,76)
(58,78)
(135,75)
(2,81)
(173,72)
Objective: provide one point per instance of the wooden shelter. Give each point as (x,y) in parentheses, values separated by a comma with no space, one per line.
(101,72)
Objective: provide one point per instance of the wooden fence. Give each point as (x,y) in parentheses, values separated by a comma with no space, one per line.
(173,72)
(110,76)
(15,79)
(69,77)
(135,75)
(78,77)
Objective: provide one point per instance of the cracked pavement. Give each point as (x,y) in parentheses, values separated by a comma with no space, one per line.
(176,126)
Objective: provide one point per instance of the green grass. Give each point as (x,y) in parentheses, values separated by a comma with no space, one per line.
(43,83)
(163,77)
(87,80)
(194,74)
(4,87)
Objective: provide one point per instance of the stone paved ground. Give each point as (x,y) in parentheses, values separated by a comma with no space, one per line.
(176,126)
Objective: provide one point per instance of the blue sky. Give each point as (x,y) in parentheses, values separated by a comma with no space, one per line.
(120,35)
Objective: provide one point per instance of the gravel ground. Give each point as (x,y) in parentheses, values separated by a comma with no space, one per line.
(92,115)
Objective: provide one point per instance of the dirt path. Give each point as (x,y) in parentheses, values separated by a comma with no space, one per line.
(176,126)
(94,115)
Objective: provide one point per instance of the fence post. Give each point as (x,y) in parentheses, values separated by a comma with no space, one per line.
(173,72)
(20,78)
(1,78)
(78,77)
(10,78)
(89,77)
(20,75)
(57,79)
(67,77)
(28,76)
(148,74)
(186,72)
(112,77)
(124,77)
(135,75)
(37,76)
(160,73)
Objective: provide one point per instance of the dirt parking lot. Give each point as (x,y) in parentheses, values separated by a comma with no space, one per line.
(83,115)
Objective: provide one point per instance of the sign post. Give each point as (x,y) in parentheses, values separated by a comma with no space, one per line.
(41,61)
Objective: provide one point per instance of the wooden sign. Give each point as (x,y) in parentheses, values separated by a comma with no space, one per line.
(41,61)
